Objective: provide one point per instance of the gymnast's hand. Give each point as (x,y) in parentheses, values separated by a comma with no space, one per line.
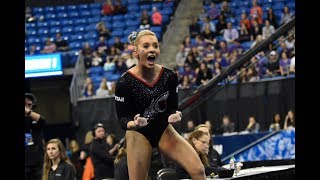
(176,117)
(140,121)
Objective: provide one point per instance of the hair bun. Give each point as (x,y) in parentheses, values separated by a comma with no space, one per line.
(132,37)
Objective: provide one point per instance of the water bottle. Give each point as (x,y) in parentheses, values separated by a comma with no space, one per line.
(232,163)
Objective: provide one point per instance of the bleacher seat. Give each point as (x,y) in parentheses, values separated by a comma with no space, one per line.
(54,23)
(133,8)
(81,21)
(166,11)
(31,31)
(95,12)
(67,29)
(96,71)
(94,19)
(85,13)
(82,7)
(73,14)
(79,28)
(54,30)
(49,16)
(30,25)
(62,15)
(43,31)
(117,17)
(147,7)
(157,5)
(72,8)
(76,45)
(91,27)
(61,9)
(49,9)
(118,24)
(36,10)
(95,6)
(90,35)
(133,2)
(66,22)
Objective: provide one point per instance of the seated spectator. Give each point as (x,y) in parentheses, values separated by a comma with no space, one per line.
(204,75)
(221,24)
(89,91)
(226,10)
(96,59)
(62,45)
(101,47)
(102,91)
(227,126)
(49,47)
(289,121)
(107,8)
(251,75)
(103,30)
(244,20)
(118,8)
(192,76)
(216,68)
(255,30)
(207,33)
(33,50)
(145,20)
(272,18)
(130,60)
(156,17)
(221,60)
(267,30)
(244,34)
(118,44)
(194,28)
(214,157)
(200,141)
(207,22)
(284,64)
(275,126)
(253,126)
(120,67)
(181,56)
(258,39)
(87,52)
(286,16)
(230,34)
(272,66)
(213,12)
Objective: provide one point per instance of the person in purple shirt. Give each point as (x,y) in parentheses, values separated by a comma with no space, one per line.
(284,64)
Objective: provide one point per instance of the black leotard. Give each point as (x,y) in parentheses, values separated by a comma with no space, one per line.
(153,101)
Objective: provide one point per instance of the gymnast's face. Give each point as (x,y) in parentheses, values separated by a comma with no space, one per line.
(147,51)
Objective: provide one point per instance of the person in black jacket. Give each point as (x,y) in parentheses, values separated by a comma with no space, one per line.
(57,164)
(34,125)
(99,152)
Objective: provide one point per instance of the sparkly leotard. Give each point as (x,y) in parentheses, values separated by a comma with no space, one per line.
(154,101)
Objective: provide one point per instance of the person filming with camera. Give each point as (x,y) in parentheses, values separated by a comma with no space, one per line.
(34,146)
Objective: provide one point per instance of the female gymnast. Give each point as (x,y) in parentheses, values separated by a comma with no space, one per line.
(146,101)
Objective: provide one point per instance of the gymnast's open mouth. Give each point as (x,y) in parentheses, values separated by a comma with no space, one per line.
(151,58)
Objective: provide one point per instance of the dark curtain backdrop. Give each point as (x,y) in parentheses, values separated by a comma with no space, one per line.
(239,101)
